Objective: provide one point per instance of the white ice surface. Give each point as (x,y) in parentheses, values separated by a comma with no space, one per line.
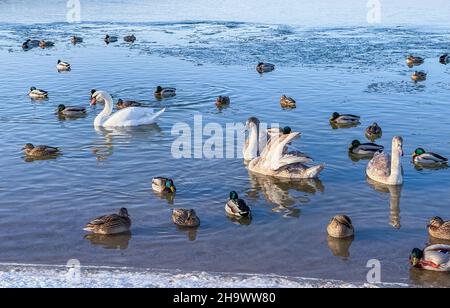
(38,276)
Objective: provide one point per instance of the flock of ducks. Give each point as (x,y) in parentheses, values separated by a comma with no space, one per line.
(265,152)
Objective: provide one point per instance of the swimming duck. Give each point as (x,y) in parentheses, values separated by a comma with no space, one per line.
(76,39)
(185,218)
(29,43)
(265,67)
(359,148)
(40,150)
(110,224)
(223,101)
(71,111)
(161,92)
(46,44)
(421,157)
(440,229)
(433,258)
(419,76)
(387,169)
(413,61)
(110,39)
(237,207)
(340,227)
(160,184)
(37,93)
(344,119)
(445,59)
(287,102)
(63,66)
(121,104)
(374,132)
(129,38)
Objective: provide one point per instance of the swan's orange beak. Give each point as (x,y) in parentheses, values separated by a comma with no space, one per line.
(93,101)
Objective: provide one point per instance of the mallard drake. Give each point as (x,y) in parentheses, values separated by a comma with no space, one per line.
(121,104)
(40,150)
(161,92)
(374,132)
(444,59)
(76,39)
(287,102)
(129,38)
(433,258)
(359,148)
(29,43)
(46,44)
(413,61)
(71,111)
(110,224)
(223,101)
(340,227)
(160,184)
(345,119)
(37,93)
(265,67)
(62,66)
(421,157)
(185,218)
(419,76)
(110,39)
(440,229)
(237,207)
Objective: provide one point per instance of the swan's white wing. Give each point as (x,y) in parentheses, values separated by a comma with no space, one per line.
(277,150)
(133,116)
(380,166)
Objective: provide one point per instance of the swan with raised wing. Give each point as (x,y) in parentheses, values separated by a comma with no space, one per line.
(387,169)
(133,116)
(275,160)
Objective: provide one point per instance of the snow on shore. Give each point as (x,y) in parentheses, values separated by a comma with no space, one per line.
(32,276)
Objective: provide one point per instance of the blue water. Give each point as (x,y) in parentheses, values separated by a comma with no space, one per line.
(327,66)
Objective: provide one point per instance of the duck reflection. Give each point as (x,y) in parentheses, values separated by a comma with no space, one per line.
(242,221)
(396,194)
(118,241)
(340,247)
(277,192)
(357,158)
(170,198)
(190,232)
(346,125)
(429,278)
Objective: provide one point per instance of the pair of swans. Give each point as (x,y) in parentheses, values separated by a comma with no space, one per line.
(128,117)
(268,153)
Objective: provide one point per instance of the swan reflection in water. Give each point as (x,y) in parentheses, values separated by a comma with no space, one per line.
(277,192)
(395,193)
(340,247)
(120,135)
(117,241)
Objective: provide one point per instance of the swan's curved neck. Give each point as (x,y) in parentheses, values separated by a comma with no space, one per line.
(253,142)
(107,110)
(396,167)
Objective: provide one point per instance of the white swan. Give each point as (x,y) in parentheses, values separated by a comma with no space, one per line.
(387,169)
(276,161)
(133,116)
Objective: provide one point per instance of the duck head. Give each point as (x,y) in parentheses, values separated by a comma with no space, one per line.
(415,257)
(170,186)
(436,222)
(60,108)
(123,212)
(418,152)
(355,144)
(334,116)
(159,89)
(286,130)
(234,196)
